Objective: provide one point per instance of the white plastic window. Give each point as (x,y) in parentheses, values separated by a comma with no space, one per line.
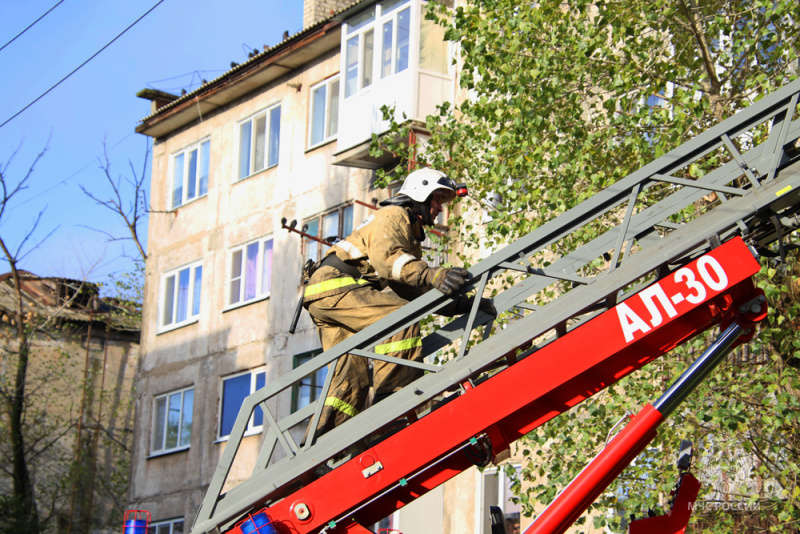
(376,44)
(190,168)
(172,421)
(331,226)
(234,390)
(169,526)
(250,275)
(259,141)
(181,295)
(324,115)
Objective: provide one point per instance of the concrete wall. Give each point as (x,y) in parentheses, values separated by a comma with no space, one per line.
(79,389)
(221,342)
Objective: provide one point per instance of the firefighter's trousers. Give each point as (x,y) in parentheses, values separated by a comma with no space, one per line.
(340,316)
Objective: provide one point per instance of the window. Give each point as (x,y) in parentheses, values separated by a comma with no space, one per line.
(251,272)
(170,526)
(234,390)
(330,227)
(324,114)
(307,390)
(497,492)
(382,32)
(172,421)
(180,290)
(259,141)
(190,173)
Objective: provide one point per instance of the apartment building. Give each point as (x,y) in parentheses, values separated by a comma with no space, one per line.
(283,135)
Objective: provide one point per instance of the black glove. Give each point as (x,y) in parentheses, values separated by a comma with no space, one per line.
(448,281)
(464,305)
(460,306)
(486,306)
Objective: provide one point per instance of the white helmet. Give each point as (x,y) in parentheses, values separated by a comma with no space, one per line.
(422,183)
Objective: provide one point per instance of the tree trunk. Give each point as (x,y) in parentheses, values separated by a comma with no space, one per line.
(25,518)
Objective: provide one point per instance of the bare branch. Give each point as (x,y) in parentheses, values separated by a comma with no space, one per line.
(18,254)
(21,185)
(131,214)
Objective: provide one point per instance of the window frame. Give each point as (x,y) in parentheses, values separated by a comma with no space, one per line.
(375,27)
(500,490)
(319,219)
(252,428)
(252,150)
(393,16)
(317,379)
(153,527)
(203,147)
(327,134)
(164,431)
(260,293)
(194,297)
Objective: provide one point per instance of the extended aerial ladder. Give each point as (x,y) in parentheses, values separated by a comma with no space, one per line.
(674,260)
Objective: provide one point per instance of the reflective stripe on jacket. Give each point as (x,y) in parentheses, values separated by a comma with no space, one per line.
(386,248)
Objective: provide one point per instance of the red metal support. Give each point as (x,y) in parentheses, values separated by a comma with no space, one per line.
(621,451)
(676,520)
(593,480)
(534,390)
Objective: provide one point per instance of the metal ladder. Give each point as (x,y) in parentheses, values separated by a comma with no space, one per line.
(657,222)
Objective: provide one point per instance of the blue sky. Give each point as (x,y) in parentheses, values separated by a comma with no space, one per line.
(177,45)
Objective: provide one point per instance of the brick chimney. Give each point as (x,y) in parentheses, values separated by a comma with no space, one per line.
(317,10)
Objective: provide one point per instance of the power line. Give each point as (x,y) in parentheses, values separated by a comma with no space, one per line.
(81,65)
(31,25)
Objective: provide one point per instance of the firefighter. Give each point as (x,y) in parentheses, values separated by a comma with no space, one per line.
(345,293)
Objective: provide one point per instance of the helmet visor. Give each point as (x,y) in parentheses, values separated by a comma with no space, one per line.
(446,189)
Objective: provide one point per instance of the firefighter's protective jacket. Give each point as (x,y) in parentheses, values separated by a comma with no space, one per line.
(386,249)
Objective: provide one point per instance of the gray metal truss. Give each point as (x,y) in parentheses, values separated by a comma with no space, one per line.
(657,220)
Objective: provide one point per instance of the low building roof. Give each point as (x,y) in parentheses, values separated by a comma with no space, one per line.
(66,299)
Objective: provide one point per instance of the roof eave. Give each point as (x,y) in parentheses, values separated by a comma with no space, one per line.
(244,78)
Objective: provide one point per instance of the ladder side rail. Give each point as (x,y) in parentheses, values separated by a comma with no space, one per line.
(423,390)
(705,143)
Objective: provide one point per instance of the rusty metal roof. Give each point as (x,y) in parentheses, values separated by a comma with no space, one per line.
(65,299)
(261,56)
